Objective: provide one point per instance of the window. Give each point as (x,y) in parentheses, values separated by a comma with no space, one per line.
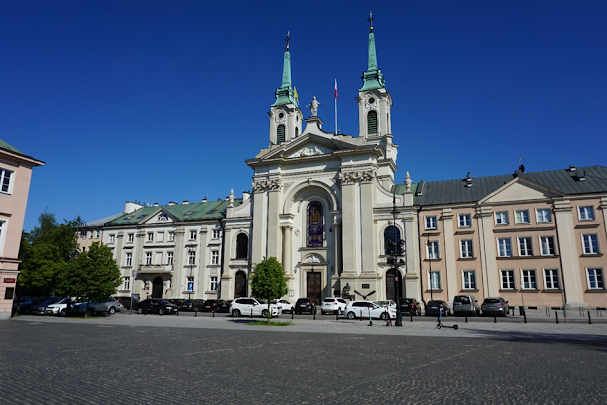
(595,279)
(280,134)
(129,259)
(90,234)
(83,234)
(524,246)
(586,213)
(372,122)
(169,257)
(434,280)
(391,240)
(191,257)
(111,239)
(216,233)
(504,249)
(469,280)
(547,245)
(171,236)
(213,283)
(528,280)
(242,246)
(431,222)
(465,220)
(193,235)
(215,257)
(5,181)
(522,217)
(465,249)
(160,237)
(9,293)
(591,246)
(97,234)
(543,215)
(501,218)
(148,259)
(190,283)
(507,279)
(130,237)
(127,283)
(432,250)
(315,224)
(150,237)
(551,279)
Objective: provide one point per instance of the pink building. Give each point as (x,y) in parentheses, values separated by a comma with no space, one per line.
(15,175)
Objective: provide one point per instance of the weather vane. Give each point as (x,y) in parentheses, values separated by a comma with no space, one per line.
(288,38)
(371,21)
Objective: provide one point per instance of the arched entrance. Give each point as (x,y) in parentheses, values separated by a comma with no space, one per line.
(392,284)
(157,287)
(240,286)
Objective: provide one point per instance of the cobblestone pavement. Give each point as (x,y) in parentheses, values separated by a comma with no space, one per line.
(165,360)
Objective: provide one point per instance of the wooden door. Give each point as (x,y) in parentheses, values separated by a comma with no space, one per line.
(314,287)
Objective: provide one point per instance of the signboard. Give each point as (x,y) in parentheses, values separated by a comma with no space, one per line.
(190,286)
(10,280)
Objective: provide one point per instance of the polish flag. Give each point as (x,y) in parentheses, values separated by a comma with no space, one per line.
(336,88)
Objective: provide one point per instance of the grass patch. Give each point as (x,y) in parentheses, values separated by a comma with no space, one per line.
(271,323)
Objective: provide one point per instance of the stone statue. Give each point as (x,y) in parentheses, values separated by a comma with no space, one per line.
(314,106)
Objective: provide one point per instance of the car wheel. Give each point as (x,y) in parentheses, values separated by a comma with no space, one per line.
(111,311)
(140,310)
(236,312)
(62,313)
(264,313)
(384,316)
(351,315)
(161,311)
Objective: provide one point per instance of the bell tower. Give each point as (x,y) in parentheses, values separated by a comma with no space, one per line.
(285,115)
(374,102)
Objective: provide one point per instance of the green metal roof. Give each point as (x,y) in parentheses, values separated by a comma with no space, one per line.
(373,78)
(7,146)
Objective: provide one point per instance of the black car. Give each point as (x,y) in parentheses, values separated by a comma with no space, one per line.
(433,308)
(210,306)
(410,306)
(192,305)
(224,306)
(127,301)
(176,301)
(156,306)
(26,306)
(305,305)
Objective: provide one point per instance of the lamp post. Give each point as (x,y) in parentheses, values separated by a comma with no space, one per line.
(396,247)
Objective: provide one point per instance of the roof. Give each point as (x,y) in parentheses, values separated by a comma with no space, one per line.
(181,212)
(7,146)
(565,181)
(102,221)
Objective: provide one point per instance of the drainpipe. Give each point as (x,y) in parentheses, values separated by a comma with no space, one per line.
(223,248)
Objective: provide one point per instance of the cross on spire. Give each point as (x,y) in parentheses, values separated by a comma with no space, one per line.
(288,38)
(371,21)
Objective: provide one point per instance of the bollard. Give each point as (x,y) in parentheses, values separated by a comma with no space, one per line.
(411,316)
(494,318)
(556,316)
(292,313)
(213,312)
(589,320)
(146,309)
(361,315)
(314,314)
(466,314)
(581,313)
(337,315)
(525,316)
(195,312)
(251,312)
(177,313)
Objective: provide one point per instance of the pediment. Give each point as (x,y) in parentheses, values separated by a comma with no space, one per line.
(520,189)
(160,217)
(310,149)
(307,146)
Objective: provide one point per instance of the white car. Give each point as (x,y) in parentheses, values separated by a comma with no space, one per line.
(330,305)
(250,306)
(285,305)
(386,303)
(368,309)
(60,307)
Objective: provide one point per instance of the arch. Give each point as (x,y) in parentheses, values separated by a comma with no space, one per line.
(372,122)
(392,285)
(240,284)
(280,134)
(157,287)
(315,225)
(308,189)
(391,239)
(242,246)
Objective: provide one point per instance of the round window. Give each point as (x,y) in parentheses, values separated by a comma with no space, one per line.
(371,100)
(281,115)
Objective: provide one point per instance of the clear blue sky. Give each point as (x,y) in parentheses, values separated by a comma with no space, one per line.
(164,100)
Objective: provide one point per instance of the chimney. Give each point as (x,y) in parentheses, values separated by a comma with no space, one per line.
(204,200)
(155,204)
(172,203)
(468,180)
(185,202)
(245,196)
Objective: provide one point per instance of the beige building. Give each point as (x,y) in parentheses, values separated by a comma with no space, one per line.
(15,174)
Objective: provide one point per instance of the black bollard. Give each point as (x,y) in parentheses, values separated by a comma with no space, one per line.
(466,314)
(361,315)
(146,310)
(525,316)
(314,314)
(556,316)
(411,316)
(292,313)
(589,320)
(213,312)
(251,312)
(494,318)
(337,315)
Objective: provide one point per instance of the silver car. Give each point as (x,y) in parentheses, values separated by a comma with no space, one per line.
(495,306)
(466,305)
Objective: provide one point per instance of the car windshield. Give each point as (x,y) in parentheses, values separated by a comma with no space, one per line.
(434,303)
(462,299)
(492,301)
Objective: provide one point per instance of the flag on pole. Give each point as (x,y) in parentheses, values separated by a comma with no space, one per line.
(296,95)
(335,88)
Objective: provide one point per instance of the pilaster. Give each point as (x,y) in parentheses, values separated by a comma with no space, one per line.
(450,254)
(487,252)
(367,228)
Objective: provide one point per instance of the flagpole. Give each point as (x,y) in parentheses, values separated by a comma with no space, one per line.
(335,106)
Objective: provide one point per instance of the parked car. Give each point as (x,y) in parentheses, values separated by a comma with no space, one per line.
(366,309)
(192,305)
(386,303)
(305,305)
(156,306)
(25,307)
(176,301)
(285,305)
(126,301)
(60,308)
(224,306)
(332,305)
(434,307)
(210,306)
(107,305)
(495,306)
(252,306)
(410,306)
(40,309)
(465,304)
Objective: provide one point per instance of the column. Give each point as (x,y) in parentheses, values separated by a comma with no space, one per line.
(259,224)
(350,243)
(367,228)
(567,249)
(287,248)
(273,246)
(487,253)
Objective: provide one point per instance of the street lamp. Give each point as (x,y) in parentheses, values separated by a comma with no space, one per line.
(397,249)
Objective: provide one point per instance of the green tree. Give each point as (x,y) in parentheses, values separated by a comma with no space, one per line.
(92,275)
(269,281)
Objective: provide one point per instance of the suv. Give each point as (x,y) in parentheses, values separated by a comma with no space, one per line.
(410,306)
(285,305)
(109,305)
(370,309)
(465,304)
(305,305)
(495,306)
(333,305)
(253,306)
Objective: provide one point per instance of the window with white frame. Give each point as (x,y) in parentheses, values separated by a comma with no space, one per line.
(215,257)
(551,279)
(508,280)
(97,233)
(160,236)
(586,213)
(90,234)
(524,246)
(6,184)
(543,215)
(150,236)
(432,249)
(148,258)
(216,233)
(504,247)
(547,245)
(111,238)
(528,280)
(431,222)
(126,283)
(434,281)
(213,285)
(169,257)
(465,220)
(129,259)
(465,249)
(130,237)
(193,235)
(591,244)
(501,218)
(469,280)
(595,279)
(191,257)
(522,216)
(171,236)
(158,258)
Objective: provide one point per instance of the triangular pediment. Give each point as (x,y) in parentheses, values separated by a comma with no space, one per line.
(307,146)
(159,217)
(520,189)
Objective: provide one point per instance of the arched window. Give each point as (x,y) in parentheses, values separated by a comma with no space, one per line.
(315,224)
(372,122)
(280,134)
(242,246)
(391,238)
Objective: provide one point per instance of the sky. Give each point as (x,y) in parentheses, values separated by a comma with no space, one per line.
(158,101)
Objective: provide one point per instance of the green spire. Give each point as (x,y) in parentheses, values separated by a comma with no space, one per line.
(285,93)
(372,77)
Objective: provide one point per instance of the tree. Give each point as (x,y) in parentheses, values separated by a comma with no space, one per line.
(269,281)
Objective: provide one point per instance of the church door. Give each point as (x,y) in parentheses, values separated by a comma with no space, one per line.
(392,285)
(157,287)
(314,287)
(240,287)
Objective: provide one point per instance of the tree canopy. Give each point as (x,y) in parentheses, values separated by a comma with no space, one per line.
(268,282)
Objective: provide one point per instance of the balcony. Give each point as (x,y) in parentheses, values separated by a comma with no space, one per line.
(155,269)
